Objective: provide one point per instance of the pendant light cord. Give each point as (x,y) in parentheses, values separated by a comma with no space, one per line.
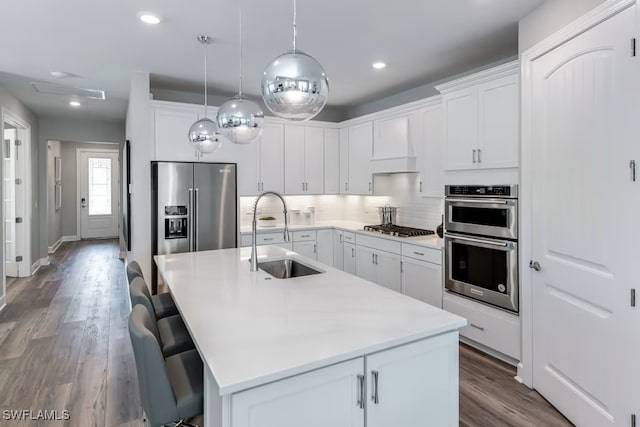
(240,26)
(205,79)
(295,28)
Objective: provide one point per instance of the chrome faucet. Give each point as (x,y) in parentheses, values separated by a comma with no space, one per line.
(254,250)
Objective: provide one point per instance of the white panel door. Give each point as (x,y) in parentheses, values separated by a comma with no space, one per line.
(344,161)
(499,129)
(360,152)
(431,168)
(388,266)
(585,216)
(349,258)
(422,280)
(308,249)
(331,161)
(293,159)
(271,154)
(314,160)
(414,384)
(9,204)
(99,196)
(327,397)
(338,250)
(324,241)
(461,129)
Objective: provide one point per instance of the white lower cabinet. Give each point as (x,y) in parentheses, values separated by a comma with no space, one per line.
(379,267)
(308,249)
(422,280)
(338,249)
(324,241)
(349,258)
(411,385)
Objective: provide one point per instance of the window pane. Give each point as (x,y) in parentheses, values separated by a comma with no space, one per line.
(99,186)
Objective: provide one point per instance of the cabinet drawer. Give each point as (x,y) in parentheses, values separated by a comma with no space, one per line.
(489,326)
(304,236)
(378,243)
(421,253)
(348,236)
(263,239)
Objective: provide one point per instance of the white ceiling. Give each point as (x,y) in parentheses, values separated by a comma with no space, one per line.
(101,42)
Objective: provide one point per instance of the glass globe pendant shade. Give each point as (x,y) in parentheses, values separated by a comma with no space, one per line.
(240,120)
(204,136)
(295,86)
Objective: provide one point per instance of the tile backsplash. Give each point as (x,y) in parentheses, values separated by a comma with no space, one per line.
(396,190)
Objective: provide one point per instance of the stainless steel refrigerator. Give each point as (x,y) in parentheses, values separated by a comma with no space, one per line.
(194,208)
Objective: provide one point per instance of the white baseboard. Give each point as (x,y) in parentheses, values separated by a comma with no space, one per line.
(45,261)
(35,267)
(70,238)
(3,303)
(55,246)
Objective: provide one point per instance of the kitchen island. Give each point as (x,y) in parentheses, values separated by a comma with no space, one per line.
(318,350)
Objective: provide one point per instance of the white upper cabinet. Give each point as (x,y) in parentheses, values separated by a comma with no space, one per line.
(393,143)
(431,169)
(344,160)
(261,164)
(331,161)
(360,152)
(481,119)
(304,159)
(171,129)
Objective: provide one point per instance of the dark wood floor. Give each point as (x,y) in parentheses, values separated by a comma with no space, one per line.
(64,345)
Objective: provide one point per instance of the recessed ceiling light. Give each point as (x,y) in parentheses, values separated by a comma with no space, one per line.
(74,104)
(60,74)
(149,19)
(378,65)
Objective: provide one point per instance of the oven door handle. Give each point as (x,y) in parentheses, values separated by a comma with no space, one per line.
(483,201)
(508,245)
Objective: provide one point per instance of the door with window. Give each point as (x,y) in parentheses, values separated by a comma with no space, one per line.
(99,194)
(9,152)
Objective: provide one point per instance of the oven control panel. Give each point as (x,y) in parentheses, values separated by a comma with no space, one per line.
(505,191)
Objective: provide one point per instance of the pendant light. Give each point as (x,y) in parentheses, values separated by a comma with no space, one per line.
(294,85)
(240,119)
(203,134)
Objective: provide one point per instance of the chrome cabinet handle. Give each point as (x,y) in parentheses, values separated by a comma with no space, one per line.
(345,186)
(361,391)
(373,259)
(479,157)
(376,259)
(632,167)
(421,186)
(353,253)
(303,186)
(418,253)
(268,239)
(477,327)
(369,186)
(374,389)
(315,248)
(258,186)
(341,241)
(474,156)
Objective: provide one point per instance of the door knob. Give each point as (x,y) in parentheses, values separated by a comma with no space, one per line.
(83,202)
(535,265)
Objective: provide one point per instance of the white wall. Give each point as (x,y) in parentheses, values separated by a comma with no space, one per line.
(54,216)
(549,17)
(138,131)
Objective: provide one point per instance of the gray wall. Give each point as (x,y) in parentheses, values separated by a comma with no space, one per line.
(550,17)
(71,130)
(70,181)
(54,217)
(11,103)
(328,114)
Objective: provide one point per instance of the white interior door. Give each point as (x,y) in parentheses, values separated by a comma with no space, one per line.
(99,194)
(585,217)
(9,201)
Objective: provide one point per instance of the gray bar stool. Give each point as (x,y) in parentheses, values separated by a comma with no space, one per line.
(170,331)
(171,389)
(163,304)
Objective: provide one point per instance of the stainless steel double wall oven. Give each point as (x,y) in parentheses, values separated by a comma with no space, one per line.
(481,244)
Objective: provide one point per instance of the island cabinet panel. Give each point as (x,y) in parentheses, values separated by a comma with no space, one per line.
(306,248)
(414,384)
(321,398)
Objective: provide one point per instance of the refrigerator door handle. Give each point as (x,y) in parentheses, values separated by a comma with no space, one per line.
(195,221)
(190,217)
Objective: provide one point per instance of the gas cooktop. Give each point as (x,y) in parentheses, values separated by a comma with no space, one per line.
(398,230)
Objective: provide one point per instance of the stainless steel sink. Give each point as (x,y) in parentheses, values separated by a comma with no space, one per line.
(287,268)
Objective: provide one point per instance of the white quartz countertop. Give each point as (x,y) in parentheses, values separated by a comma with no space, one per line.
(251,328)
(432,241)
